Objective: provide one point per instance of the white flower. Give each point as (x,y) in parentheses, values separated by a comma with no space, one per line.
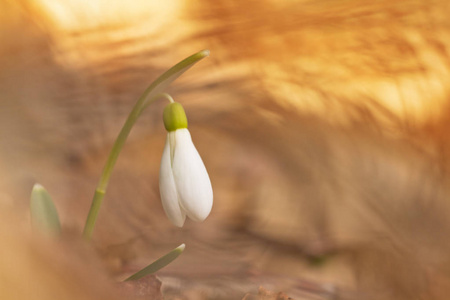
(183,180)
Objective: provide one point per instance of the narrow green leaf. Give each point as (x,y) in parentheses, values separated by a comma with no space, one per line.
(158,264)
(163,81)
(44,216)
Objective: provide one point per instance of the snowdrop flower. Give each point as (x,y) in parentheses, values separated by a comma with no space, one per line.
(184,183)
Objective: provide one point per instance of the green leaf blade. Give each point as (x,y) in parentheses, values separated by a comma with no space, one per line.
(44,215)
(158,264)
(164,80)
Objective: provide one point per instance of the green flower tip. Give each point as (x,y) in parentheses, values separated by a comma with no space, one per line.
(174,117)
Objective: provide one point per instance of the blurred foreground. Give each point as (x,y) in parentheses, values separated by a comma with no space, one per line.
(323,125)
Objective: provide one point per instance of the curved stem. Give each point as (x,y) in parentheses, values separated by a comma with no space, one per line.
(112,159)
(151,94)
(165,95)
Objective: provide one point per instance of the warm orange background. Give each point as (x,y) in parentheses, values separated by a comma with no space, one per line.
(323,125)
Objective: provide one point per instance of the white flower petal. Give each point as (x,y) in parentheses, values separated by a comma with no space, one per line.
(168,190)
(191,178)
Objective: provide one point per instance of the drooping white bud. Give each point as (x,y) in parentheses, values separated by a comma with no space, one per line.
(184,185)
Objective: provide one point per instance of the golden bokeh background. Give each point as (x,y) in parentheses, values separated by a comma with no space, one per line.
(323,125)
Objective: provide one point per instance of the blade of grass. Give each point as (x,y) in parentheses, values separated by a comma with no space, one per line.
(158,264)
(44,216)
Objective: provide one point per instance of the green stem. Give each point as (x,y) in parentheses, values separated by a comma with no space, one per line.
(151,94)
(93,213)
(112,159)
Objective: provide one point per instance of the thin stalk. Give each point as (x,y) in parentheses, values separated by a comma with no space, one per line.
(151,94)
